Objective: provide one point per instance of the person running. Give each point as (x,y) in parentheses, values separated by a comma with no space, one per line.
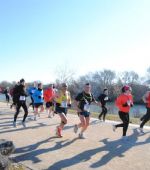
(82,103)
(103,99)
(14,95)
(124,102)
(38,100)
(31,91)
(146,117)
(63,101)
(7,95)
(21,102)
(48,98)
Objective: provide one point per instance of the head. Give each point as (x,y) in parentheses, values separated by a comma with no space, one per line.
(51,86)
(126,89)
(64,86)
(87,88)
(105,91)
(22,81)
(40,85)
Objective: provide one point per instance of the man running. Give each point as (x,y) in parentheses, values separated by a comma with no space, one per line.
(103,99)
(21,102)
(49,95)
(63,101)
(146,117)
(82,104)
(124,102)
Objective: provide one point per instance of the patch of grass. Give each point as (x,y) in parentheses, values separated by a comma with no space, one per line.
(113,117)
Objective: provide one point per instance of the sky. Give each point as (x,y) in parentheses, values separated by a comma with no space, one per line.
(38,37)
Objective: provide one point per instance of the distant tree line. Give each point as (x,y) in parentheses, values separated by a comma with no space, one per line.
(100,80)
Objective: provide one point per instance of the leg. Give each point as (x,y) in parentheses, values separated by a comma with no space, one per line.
(25,111)
(146,118)
(104,113)
(17,111)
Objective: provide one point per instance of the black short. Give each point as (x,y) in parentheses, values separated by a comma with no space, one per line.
(49,104)
(60,110)
(38,105)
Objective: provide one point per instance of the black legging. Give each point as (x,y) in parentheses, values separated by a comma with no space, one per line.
(7,98)
(104,112)
(145,118)
(125,119)
(21,104)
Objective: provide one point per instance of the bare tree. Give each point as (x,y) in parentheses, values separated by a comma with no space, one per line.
(129,77)
(64,74)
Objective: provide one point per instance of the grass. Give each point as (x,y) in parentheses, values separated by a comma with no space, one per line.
(113,117)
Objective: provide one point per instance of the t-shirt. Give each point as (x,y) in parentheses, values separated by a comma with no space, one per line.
(84,100)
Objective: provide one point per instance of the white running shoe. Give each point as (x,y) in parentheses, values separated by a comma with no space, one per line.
(75,128)
(24,124)
(81,136)
(141,130)
(14,124)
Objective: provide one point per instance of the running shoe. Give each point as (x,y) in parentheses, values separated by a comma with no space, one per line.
(75,129)
(114,128)
(58,132)
(14,124)
(24,124)
(81,136)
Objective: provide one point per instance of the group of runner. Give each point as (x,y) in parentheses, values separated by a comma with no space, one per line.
(58,101)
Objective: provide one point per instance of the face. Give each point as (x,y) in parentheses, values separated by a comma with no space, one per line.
(87,88)
(64,88)
(106,92)
(40,86)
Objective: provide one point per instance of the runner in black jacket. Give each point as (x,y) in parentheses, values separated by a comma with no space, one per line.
(21,102)
(103,99)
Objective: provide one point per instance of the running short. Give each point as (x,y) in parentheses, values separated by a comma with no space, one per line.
(38,105)
(49,104)
(85,113)
(60,110)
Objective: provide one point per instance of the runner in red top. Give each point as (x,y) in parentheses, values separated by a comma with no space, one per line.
(146,117)
(124,102)
(49,95)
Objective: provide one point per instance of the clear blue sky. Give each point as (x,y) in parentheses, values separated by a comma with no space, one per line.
(39,36)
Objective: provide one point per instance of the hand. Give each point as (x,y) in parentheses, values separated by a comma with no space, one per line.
(69,105)
(125,105)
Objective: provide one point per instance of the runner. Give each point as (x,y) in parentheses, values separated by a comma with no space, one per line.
(31,91)
(82,104)
(14,95)
(21,102)
(124,102)
(63,101)
(48,98)
(7,94)
(146,117)
(103,99)
(38,100)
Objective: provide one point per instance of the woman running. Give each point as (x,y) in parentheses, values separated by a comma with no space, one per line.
(38,100)
(82,104)
(124,102)
(63,101)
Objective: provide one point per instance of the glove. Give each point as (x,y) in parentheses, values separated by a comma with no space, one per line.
(39,97)
(69,105)
(125,105)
